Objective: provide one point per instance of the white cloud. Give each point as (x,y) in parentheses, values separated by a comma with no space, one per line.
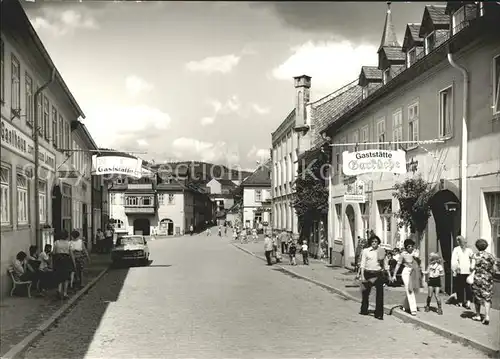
(142,142)
(208,65)
(331,64)
(63,22)
(205,121)
(260,154)
(136,85)
(219,152)
(114,125)
(260,110)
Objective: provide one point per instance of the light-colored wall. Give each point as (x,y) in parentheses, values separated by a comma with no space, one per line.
(174,211)
(215,186)
(250,203)
(437,161)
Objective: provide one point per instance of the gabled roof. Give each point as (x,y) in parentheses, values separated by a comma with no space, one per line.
(394,53)
(434,17)
(225,182)
(412,36)
(389,38)
(261,177)
(371,72)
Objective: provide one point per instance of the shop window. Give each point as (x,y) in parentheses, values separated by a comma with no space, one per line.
(493,205)
(5,199)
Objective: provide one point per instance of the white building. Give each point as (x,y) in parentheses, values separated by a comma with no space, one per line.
(256,209)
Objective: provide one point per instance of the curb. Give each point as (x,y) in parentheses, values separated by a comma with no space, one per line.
(47,324)
(407,318)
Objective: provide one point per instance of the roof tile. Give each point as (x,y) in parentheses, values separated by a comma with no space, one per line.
(260,177)
(394,53)
(438,14)
(371,72)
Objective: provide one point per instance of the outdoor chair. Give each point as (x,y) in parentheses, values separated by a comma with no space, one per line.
(16,283)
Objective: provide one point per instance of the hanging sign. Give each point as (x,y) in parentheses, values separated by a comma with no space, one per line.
(119,165)
(369,161)
(355,192)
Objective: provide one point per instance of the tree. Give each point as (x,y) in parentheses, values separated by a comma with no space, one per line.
(414,196)
(311,198)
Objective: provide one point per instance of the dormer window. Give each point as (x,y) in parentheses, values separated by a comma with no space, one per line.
(430,42)
(365,91)
(458,20)
(386,75)
(411,57)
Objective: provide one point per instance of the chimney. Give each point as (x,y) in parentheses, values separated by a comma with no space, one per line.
(302,94)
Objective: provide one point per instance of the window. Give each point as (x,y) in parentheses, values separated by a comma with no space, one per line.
(66,205)
(5,181)
(40,115)
(66,134)
(364,137)
(161,199)
(411,57)
(381,133)
(2,85)
(445,112)
(119,224)
(337,164)
(131,201)
(493,206)
(45,123)
(28,98)
(365,91)
(397,128)
(146,201)
(15,99)
(413,113)
(338,210)
(171,198)
(54,127)
(386,75)
(22,199)
(365,217)
(385,211)
(496,84)
(430,42)
(112,199)
(355,139)
(120,181)
(460,17)
(258,195)
(42,198)
(60,133)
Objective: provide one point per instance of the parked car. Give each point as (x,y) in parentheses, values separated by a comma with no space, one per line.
(130,248)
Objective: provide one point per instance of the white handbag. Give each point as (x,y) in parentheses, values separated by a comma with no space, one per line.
(470,278)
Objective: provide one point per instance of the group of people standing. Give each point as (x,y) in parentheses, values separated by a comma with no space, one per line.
(57,266)
(284,243)
(473,273)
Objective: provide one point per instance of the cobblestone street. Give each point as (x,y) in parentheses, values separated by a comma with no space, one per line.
(202,297)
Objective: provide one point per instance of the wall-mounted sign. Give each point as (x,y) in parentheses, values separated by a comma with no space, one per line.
(355,192)
(16,141)
(119,165)
(369,161)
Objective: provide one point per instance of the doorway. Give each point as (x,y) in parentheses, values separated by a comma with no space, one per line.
(349,211)
(445,208)
(167,226)
(142,226)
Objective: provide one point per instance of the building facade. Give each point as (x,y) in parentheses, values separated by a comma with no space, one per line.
(256,208)
(221,192)
(418,95)
(26,68)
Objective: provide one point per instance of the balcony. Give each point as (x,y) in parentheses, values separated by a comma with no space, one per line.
(140,205)
(140,210)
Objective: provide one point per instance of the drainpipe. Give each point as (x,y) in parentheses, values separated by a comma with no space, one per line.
(465,141)
(36,143)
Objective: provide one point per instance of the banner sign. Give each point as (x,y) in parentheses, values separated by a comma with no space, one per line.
(119,165)
(355,192)
(369,161)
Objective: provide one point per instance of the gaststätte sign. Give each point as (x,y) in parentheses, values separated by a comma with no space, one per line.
(116,164)
(369,161)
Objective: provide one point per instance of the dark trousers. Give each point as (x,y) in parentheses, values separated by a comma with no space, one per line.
(373,279)
(463,290)
(305,257)
(268,257)
(284,247)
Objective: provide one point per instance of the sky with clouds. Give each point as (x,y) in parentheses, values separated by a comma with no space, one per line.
(205,81)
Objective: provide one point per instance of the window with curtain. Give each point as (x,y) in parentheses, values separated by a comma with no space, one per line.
(5,181)
(22,200)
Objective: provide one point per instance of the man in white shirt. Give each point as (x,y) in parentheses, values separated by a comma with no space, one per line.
(461,261)
(305,254)
(268,248)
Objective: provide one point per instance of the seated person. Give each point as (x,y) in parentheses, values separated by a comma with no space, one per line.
(32,259)
(19,267)
(46,259)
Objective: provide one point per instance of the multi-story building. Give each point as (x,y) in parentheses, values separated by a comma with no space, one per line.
(162,203)
(27,69)
(441,85)
(256,208)
(284,154)
(221,192)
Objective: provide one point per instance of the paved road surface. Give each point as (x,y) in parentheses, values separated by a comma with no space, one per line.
(203,298)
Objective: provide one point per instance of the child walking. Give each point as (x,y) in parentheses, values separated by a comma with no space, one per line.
(434,272)
(305,254)
(292,249)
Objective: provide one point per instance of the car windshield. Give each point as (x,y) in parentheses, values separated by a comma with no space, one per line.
(131,240)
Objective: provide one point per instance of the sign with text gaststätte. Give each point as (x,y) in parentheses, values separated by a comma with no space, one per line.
(369,161)
(116,164)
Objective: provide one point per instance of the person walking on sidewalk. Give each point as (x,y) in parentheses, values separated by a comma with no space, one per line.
(411,274)
(373,264)
(305,254)
(268,248)
(64,262)
(191,229)
(292,250)
(461,261)
(434,273)
(80,254)
(484,268)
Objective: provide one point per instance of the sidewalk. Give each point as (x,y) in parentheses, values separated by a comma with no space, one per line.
(453,323)
(20,316)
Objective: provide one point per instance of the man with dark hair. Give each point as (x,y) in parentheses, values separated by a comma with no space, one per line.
(372,266)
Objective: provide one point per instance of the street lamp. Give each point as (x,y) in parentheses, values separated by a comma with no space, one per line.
(451,209)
